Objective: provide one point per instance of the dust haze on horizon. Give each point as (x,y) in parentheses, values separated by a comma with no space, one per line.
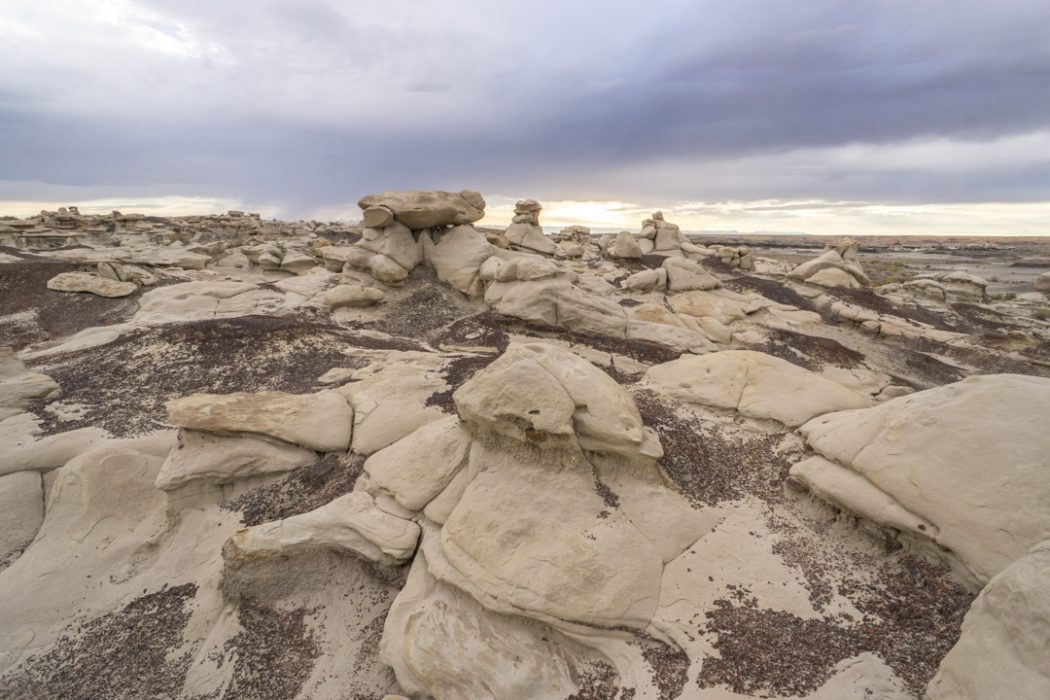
(821,117)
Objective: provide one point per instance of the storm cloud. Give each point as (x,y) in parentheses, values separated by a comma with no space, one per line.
(306,105)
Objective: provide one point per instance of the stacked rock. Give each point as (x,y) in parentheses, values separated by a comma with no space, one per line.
(390,246)
(525,231)
(838,266)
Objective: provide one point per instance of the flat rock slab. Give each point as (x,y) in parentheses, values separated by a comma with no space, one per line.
(755,384)
(968,457)
(322,421)
(92,284)
(422,209)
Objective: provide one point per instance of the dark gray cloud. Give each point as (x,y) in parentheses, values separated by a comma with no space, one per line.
(307,104)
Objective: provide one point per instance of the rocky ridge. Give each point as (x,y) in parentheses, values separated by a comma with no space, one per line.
(424,459)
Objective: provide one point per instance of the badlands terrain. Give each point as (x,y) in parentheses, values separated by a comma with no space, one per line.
(422,457)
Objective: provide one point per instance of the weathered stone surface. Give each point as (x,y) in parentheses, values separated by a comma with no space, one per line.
(531,535)
(422,209)
(969,457)
(377,217)
(351,524)
(92,284)
(353,295)
(321,421)
(755,384)
(543,395)
(625,246)
(390,398)
(457,256)
(420,465)
(21,510)
(1001,652)
(685,275)
(20,386)
(442,643)
(205,457)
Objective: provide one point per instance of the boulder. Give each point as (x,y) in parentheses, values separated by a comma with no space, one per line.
(350,524)
(377,217)
(685,275)
(390,398)
(646,281)
(421,209)
(321,421)
(625,246)
(537,537)
(219,460)
(420,465)
(395,242)
(21,511)
(441,643)
(549,397)
(1002,650)
(968,458)
(20,386)
(353,295)
(1042,283)
(529,236)
(457,256)
(92,284)
(833,277)
(755,384)
(297,262)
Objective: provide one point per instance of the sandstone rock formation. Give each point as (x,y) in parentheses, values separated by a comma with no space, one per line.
(838,266)
(417,458)
(419,210)
(929,454)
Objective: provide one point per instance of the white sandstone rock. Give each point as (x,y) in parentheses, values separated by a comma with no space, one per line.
(420,465)
(1002,650)
(93,284)
(204,457)
(969,458)
(351,524)
(755,384)
(21,510)
(321,421)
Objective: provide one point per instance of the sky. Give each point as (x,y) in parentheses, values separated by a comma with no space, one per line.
(848,117)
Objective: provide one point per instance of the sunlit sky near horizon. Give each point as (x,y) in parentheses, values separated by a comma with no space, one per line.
(820,117)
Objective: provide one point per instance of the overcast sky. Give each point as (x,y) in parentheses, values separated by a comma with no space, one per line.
(847,116)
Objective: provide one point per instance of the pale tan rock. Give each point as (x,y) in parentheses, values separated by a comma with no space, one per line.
(833,277)
(377,217)
(530,536)
(443,644)
(92,284)
(395,242)
(390,398)
(457,257)
(1001,652)
(297,262)
(420,465)
(969,458)
(21,510)
(20,386)
(422,209)
(547,396)
(625,246)
(529,236)
(321,421)
(351,523)
(353,295)
(1042,283)
(755,384)
(684,275)
(211,459)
